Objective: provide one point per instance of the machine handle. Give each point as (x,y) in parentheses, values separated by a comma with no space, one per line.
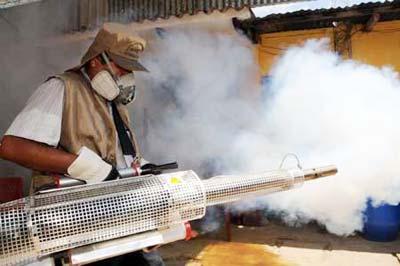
(155,169)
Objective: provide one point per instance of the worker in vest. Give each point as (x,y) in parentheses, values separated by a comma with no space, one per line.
(77,123)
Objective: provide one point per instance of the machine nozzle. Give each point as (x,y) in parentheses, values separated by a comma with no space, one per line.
(318,172)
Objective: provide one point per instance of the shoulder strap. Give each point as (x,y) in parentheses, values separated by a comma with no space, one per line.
(126,143)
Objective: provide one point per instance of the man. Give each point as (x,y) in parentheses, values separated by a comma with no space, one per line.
(77,123)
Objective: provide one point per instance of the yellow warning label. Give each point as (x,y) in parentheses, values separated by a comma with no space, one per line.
(175,180)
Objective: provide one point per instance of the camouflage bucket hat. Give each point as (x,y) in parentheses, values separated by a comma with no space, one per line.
(123,49)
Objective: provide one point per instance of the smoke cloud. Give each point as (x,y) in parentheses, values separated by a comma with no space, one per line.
(331,110)
(199,108)
(195,98)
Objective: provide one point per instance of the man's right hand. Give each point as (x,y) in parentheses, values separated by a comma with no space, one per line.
(91,167)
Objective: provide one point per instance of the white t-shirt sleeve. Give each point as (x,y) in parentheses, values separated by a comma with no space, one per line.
(41,118)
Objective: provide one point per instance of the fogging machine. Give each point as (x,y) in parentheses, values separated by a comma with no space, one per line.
(98,221)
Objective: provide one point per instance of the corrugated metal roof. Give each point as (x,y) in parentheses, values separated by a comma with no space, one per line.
(320,18)
(153,9)
(169,7)
(261,12)
(322,11)
(88,14)
(139,10)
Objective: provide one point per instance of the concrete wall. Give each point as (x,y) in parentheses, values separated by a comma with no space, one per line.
(27,59)
(273,45)
(379,47)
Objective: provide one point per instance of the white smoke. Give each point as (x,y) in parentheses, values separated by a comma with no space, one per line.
(324,109)
(195,98)
(331,110)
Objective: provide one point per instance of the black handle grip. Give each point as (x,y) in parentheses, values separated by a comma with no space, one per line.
(157,169)
(167,166)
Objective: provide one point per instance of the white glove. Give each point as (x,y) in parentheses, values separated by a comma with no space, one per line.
(142,162)
(89,167)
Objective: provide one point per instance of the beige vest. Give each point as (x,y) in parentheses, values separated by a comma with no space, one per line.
(86,121)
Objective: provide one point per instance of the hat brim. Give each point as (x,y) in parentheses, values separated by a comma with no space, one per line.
(125,63)
(84,62)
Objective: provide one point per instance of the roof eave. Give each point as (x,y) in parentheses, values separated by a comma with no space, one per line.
(321,18)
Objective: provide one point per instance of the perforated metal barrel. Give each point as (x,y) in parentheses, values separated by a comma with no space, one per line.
(56,221)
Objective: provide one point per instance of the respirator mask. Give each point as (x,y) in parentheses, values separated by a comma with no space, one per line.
(119,89)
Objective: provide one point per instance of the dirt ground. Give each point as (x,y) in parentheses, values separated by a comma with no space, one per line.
(275,244)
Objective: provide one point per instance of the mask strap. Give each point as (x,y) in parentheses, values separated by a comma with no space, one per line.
(83,71)
(105,57)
